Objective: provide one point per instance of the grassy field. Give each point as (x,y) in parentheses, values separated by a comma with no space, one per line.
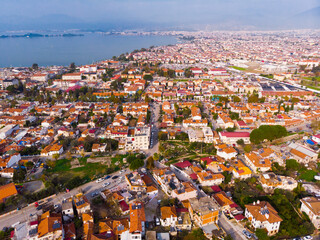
(87,170)
(310,78)
(238,68)
(308,175)
(314,88)
(180,80)
(175,151)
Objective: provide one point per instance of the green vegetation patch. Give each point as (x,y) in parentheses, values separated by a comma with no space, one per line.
(238,68)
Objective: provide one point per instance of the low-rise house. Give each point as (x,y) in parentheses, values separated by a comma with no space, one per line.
(204,134)
(207,178)
(96,147)
(69,231)
(241,172)
(183,191)
(169,216)
(135,182)
(257,163)
(7,191)
(52,149)
(67,210)
(225,203)
(50,226)
(81,203)
(137,222)
(271,181)
(226,152)
(263,215)
(7,173)
(311,206)
(233,137)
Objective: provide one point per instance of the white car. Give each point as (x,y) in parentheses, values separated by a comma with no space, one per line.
(307,237)
(99,180)
(105,184)
(157,222)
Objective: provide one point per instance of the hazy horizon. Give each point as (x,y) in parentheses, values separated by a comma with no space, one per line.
(160,14)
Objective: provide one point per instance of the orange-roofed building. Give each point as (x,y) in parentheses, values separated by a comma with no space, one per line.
(137,220)
(263,215)
(169,216)
(7,191)
(50,226)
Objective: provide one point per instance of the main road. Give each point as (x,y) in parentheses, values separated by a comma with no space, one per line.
(23,215)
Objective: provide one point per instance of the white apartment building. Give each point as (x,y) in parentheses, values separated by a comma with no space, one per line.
(311,206)
(138,138)
(262,215)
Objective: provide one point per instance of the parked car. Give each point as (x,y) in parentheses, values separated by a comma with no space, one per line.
(99,180)
(115,177)
(107,177)
(94,194)
(157,222)
(105,184)
(247,234)
(307,237)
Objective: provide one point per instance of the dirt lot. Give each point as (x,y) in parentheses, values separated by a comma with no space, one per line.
(34,186)
(152,207)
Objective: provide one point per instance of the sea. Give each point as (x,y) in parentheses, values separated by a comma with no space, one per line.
(86,49)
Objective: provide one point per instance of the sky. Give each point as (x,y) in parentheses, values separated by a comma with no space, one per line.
(155,13)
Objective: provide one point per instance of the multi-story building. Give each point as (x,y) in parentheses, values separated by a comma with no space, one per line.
(262,215)
(311,206)
(270,181)
(138,138)
(204,211)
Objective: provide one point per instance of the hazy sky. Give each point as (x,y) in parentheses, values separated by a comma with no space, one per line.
(159,11)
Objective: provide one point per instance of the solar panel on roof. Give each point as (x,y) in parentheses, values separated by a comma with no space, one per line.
(80,203)
(120,228)
(33,231)
(56,226)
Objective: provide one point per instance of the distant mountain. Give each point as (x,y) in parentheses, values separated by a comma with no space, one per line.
(307,19)
(52,21)
(242,20)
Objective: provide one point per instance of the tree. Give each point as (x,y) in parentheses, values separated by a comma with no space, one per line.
(162,136)
(236,99)
(227,177)
(19,174)
(29,164)
(72,67)
(156,157)
(267,132)
(315,125)
(292,164)
(137,163)
(56,156)
(182,136)
(262,234)
(240,142)
(148,77)
(195,234)
(35,66)
(247,148)
(150,162)
(228,237)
